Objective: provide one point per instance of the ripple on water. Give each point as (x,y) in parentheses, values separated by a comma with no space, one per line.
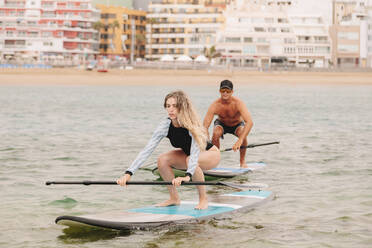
(66,203)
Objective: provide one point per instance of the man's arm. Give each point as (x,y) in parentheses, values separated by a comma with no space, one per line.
(209,117)
(248,124)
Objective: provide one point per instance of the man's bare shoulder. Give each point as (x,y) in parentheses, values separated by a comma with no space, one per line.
(237,100)
(216,102)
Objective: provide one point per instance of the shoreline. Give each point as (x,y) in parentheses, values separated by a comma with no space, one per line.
(176,77)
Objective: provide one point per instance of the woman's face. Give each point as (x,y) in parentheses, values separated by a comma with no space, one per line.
(171,107)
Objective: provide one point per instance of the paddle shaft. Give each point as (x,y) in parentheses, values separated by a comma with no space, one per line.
(131,183)
(252,145)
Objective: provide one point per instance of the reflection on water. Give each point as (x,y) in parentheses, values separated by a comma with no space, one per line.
(85,234)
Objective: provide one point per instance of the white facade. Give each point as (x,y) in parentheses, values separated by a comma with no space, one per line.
(262,34)
(369,33)
(181,28)
(360,18)
(48,28)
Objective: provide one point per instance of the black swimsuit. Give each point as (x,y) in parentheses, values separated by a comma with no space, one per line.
(179,137)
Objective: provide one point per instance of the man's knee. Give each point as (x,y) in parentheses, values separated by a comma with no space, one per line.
(217,132)
(239,131)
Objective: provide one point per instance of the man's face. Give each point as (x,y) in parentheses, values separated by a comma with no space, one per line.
(226,93)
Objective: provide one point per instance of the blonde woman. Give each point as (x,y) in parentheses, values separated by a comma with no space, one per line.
(193,152)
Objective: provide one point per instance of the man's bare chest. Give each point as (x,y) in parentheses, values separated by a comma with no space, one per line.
(228,111)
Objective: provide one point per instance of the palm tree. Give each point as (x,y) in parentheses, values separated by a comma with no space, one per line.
(140,39)
(211,53)
(114,25)
(98,26)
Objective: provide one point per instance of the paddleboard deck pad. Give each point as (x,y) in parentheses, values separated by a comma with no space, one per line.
(145,218)
(223,172)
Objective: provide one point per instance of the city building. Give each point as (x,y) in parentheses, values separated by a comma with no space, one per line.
(263,34)
(119,3)
(349,34)
(369,33)
(122,32)
(43,29)
(182,27)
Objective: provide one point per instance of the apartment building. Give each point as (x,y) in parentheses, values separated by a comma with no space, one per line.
(43,28)
(183,27)
(263,34)
(122,32)
(369,33)
(350,34)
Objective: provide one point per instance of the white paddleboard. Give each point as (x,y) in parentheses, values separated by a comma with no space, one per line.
(150,217)
(223,172)
(228,172)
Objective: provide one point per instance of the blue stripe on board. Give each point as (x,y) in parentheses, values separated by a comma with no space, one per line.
(183,209)
(254,193)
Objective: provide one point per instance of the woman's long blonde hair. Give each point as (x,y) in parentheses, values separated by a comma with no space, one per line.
(188,117)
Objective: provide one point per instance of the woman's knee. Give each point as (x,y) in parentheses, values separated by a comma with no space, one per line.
(163,160)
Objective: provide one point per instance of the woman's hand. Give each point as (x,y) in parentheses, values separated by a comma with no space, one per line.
(178,180)
(122,181)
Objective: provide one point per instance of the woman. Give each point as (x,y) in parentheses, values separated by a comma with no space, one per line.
(193,153)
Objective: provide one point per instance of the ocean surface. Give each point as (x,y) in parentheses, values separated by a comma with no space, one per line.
(321,173)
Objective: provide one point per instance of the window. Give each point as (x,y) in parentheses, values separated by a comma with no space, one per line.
(348,48)
(348,35)
(248,39)
(47,34)
(322,49)
(249,49)
(33,34)
(259,29)
(289,40)
(282,20)
(232,39)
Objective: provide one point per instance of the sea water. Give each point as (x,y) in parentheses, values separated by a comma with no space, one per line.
(321,173)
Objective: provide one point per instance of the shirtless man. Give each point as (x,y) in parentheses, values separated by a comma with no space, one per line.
(233,117)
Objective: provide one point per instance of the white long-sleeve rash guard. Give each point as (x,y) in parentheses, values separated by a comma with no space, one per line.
(161,132)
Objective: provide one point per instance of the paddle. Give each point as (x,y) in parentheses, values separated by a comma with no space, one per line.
(252,145)
(218,183)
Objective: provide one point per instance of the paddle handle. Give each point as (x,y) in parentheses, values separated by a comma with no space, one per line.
(252,145)
(129,183)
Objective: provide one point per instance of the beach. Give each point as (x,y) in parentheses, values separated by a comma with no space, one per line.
(175,77)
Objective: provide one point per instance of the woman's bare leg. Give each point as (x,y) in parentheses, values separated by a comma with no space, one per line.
(165,162)
(207,160)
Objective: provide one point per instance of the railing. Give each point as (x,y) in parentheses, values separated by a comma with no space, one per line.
(14,5)
(14,46)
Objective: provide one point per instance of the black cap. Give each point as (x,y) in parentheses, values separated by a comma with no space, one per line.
(226,84)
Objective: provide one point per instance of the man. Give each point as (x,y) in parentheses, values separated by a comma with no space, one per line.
(233,117)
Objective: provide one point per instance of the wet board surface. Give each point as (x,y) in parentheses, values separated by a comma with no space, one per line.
(151,216)
(234,171)
(224,172)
